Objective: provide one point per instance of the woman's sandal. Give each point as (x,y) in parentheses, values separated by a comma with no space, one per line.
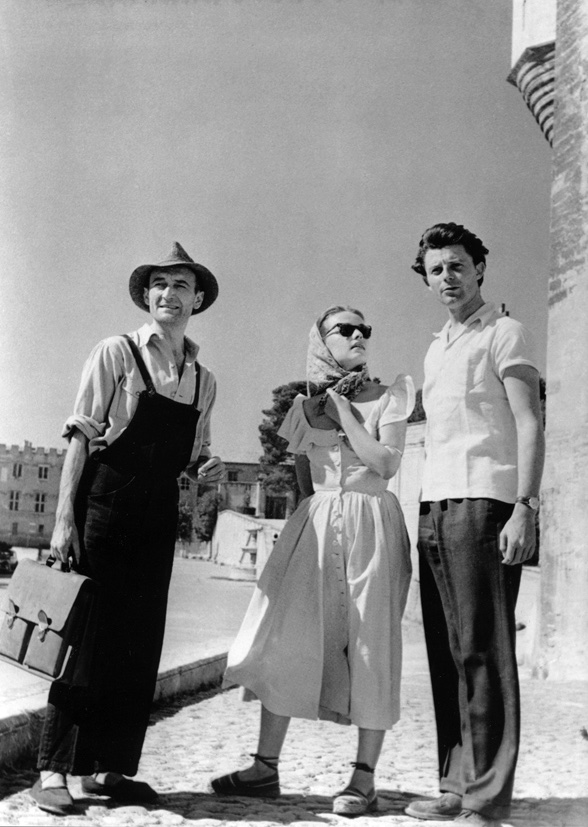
(232,784)
(352,802)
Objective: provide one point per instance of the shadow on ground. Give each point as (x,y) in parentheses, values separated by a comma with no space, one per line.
(290,808)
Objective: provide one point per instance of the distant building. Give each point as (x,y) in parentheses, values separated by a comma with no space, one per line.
(29,488)
(241,490)
(29,485)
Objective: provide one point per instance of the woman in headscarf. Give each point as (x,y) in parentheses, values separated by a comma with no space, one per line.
(322,635)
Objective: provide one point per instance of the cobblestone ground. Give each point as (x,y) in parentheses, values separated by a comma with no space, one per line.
(203,735)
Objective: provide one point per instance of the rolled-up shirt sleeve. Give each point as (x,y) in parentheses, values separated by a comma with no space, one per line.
(203,431)
(111,386)
(512,345)
(102,372)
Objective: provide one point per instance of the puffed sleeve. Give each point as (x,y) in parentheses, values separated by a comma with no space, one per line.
(398,401)
(294,428)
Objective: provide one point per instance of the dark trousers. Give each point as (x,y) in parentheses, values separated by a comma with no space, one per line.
(128,531)
(468,599)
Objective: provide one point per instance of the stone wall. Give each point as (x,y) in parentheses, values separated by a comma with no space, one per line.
(562,644)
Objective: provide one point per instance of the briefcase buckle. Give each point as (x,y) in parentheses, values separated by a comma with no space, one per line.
(44,623)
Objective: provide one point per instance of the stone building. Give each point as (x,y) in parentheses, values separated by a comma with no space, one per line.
(239,490)
(550,68)
(29,485)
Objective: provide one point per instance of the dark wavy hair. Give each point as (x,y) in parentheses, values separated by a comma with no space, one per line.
(446,235)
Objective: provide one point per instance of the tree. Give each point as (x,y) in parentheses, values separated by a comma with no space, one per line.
(418,415)
(185,531)
(206,514)
(276,468)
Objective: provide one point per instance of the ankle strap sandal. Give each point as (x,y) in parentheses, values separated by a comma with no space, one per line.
(352,802)
(363,767)
(232,784)
(270,762)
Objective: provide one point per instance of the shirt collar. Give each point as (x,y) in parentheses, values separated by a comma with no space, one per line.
(148,332)
(483,315)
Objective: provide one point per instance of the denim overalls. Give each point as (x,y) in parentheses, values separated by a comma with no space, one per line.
(126,514)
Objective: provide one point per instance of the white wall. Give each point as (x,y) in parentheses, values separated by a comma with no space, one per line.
(231,536)
(533,24)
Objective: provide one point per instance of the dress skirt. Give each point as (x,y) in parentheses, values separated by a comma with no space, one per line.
(322,635)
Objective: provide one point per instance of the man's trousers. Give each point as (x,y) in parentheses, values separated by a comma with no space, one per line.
(468,599)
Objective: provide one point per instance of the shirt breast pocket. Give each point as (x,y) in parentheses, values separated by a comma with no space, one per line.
(477,370)
(125,402)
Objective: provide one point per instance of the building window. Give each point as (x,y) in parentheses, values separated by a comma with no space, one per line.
(17,470)
(41,529)
(40,503)
(43,472)
(232,476)
(14,501)
(184,484)
(15,528)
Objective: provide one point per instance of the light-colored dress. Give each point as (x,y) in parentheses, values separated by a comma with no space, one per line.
(322,635)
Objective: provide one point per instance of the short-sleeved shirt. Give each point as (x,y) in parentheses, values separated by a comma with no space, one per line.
(470,436)
(111,384)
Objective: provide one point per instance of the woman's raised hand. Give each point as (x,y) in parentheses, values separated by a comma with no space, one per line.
(336,405)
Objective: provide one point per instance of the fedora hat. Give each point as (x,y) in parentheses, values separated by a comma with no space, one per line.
(177,257)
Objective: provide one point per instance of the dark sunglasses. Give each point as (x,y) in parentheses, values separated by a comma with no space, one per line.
(346,330)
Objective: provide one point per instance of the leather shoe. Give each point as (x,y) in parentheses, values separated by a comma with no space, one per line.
(445,808)
(473,819)
(125,790)
(56,800)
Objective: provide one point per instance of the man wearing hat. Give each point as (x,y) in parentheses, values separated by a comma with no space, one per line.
(141,418)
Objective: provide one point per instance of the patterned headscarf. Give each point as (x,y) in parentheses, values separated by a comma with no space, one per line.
(323,371)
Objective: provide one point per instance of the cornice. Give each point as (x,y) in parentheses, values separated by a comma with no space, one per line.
(534,76)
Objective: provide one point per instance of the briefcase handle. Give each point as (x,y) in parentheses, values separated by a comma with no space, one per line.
(56,564)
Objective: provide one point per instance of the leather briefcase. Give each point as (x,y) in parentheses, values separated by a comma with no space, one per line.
(48,614)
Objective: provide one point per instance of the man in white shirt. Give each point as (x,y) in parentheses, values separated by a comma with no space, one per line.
(484,451)
(141,417)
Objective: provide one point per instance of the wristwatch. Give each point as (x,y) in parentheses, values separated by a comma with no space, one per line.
(530,502)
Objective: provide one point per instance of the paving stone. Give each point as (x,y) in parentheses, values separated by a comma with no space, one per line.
(203,736)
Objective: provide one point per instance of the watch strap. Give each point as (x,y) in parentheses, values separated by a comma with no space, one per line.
(530,502)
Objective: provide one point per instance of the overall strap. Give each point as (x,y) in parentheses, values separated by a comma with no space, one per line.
(197,390)
(146,376)
(141,365)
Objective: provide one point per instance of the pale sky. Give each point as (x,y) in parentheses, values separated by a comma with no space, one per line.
(297,148)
